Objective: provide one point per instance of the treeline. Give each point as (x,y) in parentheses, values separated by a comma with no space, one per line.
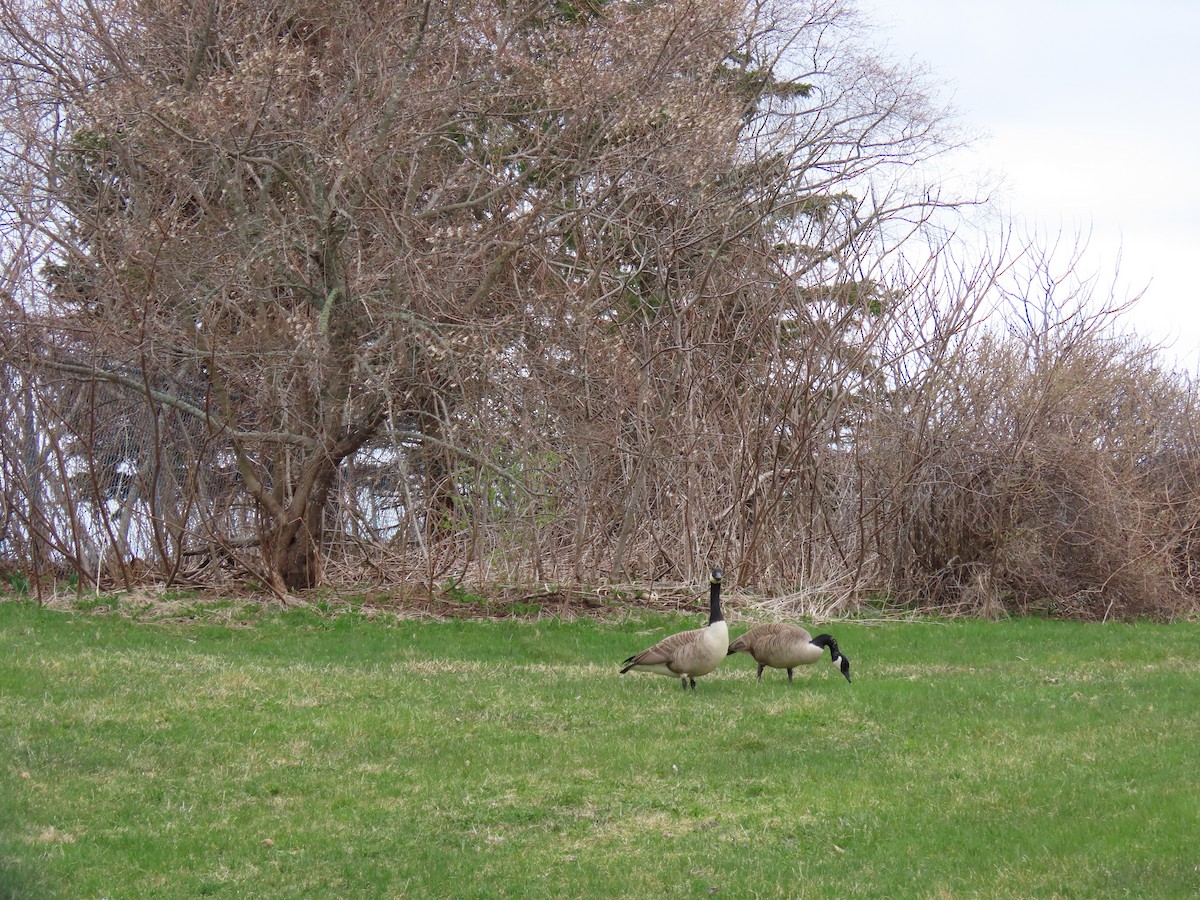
(554,292)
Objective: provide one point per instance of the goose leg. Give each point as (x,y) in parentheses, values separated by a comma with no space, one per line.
(789,676)
(693,680)
(760,668)
(683,682)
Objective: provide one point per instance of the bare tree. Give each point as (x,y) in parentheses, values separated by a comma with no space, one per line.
(570,229)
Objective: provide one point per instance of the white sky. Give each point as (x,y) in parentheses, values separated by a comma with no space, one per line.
(1090,111)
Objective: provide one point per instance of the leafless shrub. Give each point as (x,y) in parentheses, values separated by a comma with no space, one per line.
(1046,477)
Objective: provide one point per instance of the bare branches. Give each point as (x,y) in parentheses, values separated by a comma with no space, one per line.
(515,290)
(204,415)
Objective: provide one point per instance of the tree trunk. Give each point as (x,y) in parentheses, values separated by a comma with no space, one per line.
(295,546)
(298,543)
(297,563)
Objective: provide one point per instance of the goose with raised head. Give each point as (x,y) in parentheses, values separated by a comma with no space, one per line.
(784,646)
(688,654)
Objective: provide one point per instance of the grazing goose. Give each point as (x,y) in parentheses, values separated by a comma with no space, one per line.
(689,654)
(783,646)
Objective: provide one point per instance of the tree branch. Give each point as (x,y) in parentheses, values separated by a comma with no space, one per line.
(183,406)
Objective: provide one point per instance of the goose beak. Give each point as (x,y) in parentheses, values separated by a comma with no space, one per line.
(845,667)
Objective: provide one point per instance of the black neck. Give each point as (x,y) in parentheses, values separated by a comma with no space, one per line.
(714,603)
(826,640)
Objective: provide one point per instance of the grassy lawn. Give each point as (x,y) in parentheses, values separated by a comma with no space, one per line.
(298,756)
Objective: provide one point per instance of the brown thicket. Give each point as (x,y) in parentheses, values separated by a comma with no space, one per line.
(543,291)
(1050,468)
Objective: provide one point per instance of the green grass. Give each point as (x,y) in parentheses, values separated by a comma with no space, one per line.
(302,757)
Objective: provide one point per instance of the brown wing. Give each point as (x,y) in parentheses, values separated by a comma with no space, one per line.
(664,651)
(768,635)
(786,631)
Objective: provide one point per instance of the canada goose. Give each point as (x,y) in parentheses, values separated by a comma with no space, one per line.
(783,646)
(689,654)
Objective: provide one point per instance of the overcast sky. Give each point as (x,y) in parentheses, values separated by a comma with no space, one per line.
(1091,113)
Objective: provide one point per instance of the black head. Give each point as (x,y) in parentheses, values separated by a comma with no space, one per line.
(844,665)
(717,576)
